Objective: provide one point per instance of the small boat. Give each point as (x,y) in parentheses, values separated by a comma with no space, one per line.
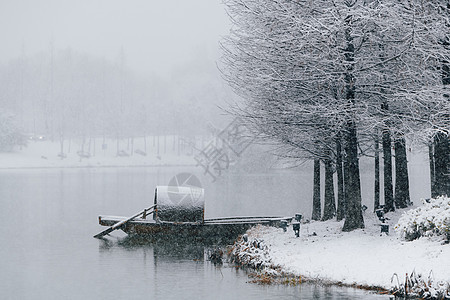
(179,212)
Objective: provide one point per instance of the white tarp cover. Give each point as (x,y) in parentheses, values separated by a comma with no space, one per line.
(179,203)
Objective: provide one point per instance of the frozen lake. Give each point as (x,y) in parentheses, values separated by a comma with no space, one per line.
(49,217)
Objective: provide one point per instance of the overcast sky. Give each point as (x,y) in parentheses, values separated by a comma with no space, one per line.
(156,35)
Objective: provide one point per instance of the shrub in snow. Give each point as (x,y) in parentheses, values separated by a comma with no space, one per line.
(250,252)
(431,219)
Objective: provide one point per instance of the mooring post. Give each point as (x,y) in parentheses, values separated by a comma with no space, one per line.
(296,225)
(296,228)
(385,228)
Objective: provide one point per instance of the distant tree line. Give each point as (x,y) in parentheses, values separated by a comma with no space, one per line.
(334,80)
(64,94)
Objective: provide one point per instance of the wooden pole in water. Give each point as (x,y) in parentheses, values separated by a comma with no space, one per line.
(123,222)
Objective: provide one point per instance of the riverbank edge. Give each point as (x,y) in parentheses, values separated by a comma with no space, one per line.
(286,278)
(268,274)
(267,252)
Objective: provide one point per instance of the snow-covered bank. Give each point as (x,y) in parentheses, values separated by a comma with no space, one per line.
(362,257)
(46,154)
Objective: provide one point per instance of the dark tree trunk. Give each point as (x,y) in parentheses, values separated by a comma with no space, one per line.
(432,173)
(329,209)
(346,181)
(441,165)
(340,214)
(354,218)
(402,198)
(387,160)
(441,144)
(376,202)
(317,211)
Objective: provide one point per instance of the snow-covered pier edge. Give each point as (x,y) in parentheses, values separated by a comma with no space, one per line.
(362,259)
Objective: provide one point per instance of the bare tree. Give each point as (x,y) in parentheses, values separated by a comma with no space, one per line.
(295,60)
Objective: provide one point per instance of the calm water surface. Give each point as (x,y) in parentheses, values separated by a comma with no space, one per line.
(47,251)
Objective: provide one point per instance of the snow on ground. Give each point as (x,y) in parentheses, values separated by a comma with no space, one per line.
(363,256)
(45,154)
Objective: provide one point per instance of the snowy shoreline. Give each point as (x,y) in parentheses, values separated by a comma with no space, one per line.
(361,258)
(46,155)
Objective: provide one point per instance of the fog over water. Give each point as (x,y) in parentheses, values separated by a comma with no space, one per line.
(107,73)
(86,72)
(103,100)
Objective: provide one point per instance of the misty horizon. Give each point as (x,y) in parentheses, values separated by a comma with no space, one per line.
(110,68)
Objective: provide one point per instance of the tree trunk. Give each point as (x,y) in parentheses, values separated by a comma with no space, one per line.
(402,198)
(432,173)
(354,218)
(441,143)
(340,214)
(316,192)
(346,181)
(441,165)
(376,202)
(387,161)
(329,210)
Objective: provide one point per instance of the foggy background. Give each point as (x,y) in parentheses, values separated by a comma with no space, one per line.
(117,70)
(114,68)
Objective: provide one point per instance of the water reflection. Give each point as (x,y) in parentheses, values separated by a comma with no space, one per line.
(183,270)
(172,249)
(168,248)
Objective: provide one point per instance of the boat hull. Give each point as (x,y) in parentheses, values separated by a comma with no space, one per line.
(223,229)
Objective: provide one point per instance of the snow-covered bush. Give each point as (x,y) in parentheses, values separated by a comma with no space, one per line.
(250,252)
(431,219)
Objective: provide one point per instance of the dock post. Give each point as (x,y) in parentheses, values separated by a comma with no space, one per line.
(296,228)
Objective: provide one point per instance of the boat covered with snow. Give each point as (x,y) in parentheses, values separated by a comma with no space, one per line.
(179,211)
